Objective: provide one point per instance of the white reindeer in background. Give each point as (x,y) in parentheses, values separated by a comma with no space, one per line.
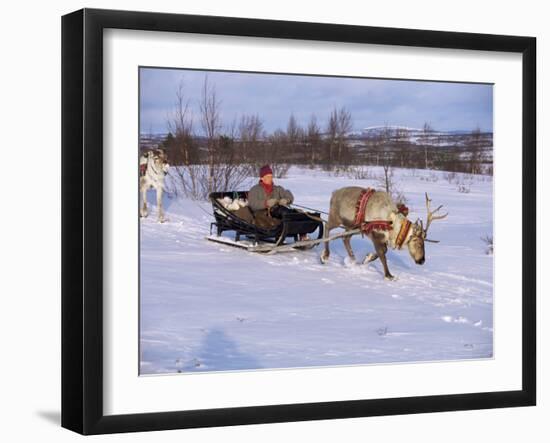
(153,168)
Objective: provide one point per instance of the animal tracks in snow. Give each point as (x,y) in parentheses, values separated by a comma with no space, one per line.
(463,320)
(458,319)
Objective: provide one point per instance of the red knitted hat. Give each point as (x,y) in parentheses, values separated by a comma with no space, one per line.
(265,170)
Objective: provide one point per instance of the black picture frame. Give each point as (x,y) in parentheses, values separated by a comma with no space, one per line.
(82,218)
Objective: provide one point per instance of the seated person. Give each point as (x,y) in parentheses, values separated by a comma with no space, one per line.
(268,201)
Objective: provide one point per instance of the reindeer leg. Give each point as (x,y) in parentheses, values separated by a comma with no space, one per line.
(330,225)
(347,244)
(381,249)
(143,210)
(370,258)
(159,205)
(326,252)
(373,255)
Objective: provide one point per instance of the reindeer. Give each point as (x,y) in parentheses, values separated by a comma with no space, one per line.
(379,208)
(153,167)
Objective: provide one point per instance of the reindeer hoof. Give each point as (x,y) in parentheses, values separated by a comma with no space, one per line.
(369,258)
(390,277)
(323,259)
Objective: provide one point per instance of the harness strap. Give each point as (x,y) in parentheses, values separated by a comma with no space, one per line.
(361,205)
(368,226)
(380,225)
(402,235)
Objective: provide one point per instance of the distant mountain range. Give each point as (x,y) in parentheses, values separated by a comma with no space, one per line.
(368,132)
(391,133)
(405,131)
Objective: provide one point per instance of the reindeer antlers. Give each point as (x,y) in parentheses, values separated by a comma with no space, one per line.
(431,217)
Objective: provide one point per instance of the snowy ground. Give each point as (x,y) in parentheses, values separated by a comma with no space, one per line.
(211,307)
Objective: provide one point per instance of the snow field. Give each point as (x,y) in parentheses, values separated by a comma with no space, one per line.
(210,307)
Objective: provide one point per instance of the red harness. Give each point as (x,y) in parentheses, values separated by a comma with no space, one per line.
(142,169)
(368,226)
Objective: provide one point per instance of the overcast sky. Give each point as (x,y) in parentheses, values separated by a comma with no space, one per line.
(372,102)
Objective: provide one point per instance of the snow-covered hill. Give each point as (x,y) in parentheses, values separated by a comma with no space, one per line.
(210,307)
(372,131)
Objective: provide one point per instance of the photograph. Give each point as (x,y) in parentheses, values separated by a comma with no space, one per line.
(290,220)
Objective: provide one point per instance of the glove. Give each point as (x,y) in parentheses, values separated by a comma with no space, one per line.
(271,202)
(283,202)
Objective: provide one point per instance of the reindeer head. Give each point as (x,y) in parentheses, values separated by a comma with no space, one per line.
(416,243)
(160,159)
(420,234)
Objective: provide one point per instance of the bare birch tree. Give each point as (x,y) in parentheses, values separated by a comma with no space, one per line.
(332,135)
(210,122)
(218,168)
(338,126)
(292,132)
(426,133)
(475,146)
(388,182)
(313,139)
(403,147)
(249,131)
(181,147)
(345,126)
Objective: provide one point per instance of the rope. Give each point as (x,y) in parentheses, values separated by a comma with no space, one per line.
(310,209)
(269,249)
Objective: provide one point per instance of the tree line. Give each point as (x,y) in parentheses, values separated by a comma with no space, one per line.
(215,156)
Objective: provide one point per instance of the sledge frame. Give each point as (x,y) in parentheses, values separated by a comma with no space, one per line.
(270,249)
(292,225)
